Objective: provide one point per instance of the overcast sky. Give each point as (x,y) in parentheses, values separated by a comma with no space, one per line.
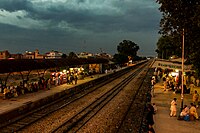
(78,25)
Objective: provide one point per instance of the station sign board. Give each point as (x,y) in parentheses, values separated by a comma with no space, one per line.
(170,65)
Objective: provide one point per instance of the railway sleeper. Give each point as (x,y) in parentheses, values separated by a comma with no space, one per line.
(22,123)
(14,127)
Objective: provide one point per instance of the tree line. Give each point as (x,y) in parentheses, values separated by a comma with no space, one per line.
(180,18)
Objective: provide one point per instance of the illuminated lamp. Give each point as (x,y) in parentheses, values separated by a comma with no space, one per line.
(174,74)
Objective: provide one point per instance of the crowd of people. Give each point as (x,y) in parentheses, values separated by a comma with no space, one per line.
(172,83)
(25,87)
(42,84)
(188,112)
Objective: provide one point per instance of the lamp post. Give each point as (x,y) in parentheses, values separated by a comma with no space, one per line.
(182,82)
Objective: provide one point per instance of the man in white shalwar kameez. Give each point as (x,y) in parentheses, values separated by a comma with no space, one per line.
(173,108)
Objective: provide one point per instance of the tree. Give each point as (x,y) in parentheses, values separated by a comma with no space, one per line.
(128,48)
(178,15)
(166,47)
(72,55)
(64,56)
(120,59)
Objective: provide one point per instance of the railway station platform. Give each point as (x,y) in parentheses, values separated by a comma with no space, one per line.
(163,122)
(7,105)
(166,124)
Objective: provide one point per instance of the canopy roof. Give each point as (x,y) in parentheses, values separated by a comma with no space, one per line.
(17,65)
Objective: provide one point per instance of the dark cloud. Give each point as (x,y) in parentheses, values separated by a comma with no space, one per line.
(14,5)
(105,23)
(80,1)
(26,39)
(98,25)
(132,19)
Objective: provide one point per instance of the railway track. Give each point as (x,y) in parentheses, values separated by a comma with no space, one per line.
(26,120)
(78,120)
(132,121)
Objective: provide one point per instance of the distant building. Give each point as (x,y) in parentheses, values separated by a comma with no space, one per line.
(104,55)
(33,55)
(38,55)
(4,54)
(53,55)
(28,55)
(85,55)
(16,56)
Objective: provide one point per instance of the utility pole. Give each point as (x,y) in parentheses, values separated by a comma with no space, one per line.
(182,90)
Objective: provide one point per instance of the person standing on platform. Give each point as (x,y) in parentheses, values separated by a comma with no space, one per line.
(155,108)
(75,78)
(197,82)
(195,98)
(1,89)
(173,108)
(6,92)
(165,85)
(192,87)
(106,71)
(48,83)
(153,82)
(149,118)
(158,75)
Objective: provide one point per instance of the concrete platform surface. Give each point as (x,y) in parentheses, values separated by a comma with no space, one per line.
(166,124)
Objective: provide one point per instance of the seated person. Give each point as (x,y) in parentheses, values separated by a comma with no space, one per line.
(193,111)
(171,86)
(185,111)
(177,89)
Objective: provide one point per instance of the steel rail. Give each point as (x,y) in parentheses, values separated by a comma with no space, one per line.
(126,124)
(83,116)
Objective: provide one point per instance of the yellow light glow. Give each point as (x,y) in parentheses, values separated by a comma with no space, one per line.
(174,74)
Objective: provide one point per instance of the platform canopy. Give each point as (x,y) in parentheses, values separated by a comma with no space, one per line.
(171,64)
(17,65)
